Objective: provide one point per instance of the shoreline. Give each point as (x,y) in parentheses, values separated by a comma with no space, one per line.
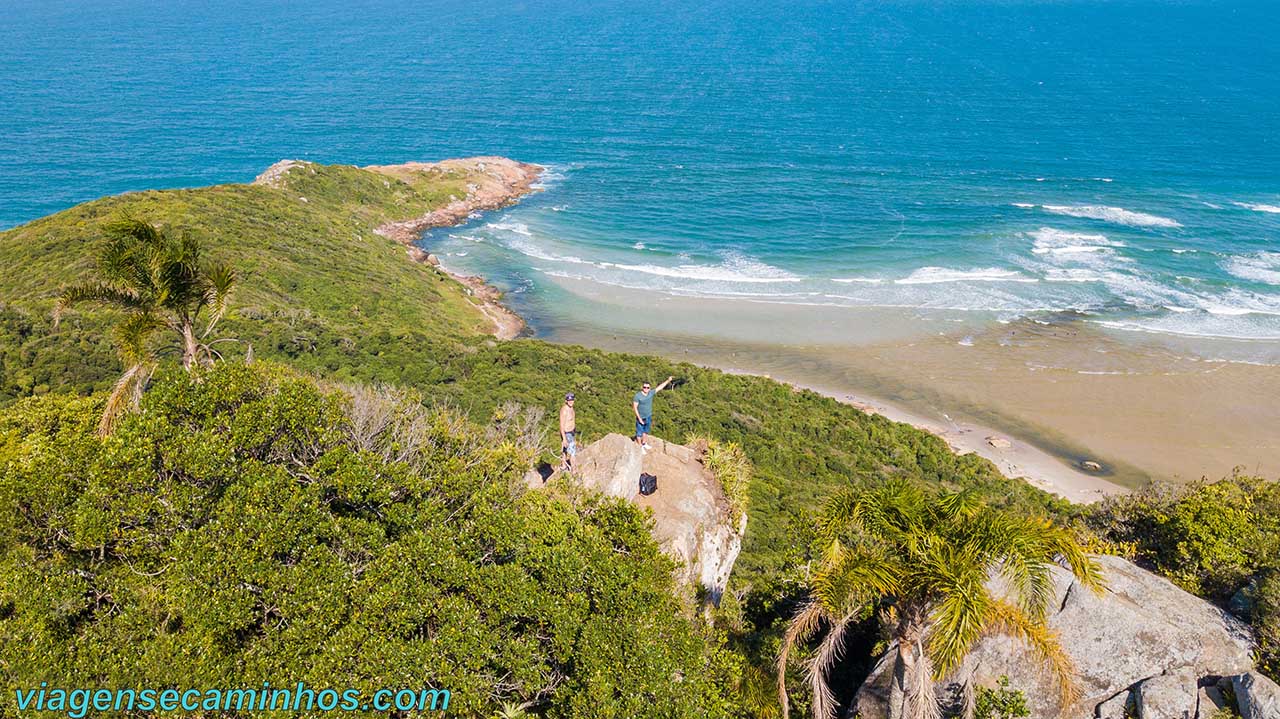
(497,182)
(1016,458)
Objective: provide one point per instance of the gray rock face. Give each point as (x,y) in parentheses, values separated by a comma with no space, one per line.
(1117,707)
(1258,697)
(1141,627)
(1168,696)
(691,516)
(610,466)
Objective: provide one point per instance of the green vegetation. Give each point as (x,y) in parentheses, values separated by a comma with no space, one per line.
(249,525)
(320,291)
(1001,702)
(1220,540)
(250,521)
(157,283)
(730,466)
(317,287)
(923,561)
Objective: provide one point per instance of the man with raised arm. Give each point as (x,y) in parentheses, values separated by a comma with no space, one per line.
(642,405)
(568,432)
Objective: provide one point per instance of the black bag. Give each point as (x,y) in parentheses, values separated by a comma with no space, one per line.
(648,484)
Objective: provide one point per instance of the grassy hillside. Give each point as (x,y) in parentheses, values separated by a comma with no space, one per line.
(323,293)
(319,289)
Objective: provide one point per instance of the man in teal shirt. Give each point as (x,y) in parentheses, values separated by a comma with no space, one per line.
(642,405)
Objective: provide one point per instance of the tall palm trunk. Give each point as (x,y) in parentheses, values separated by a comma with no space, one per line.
(190,346)
(898,687)
(911,693)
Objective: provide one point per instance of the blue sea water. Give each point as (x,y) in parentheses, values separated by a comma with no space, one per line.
(1117,158)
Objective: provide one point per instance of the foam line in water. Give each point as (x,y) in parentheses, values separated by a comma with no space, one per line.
(935,275)
(1257,267)
(1114,215)
(1259,207)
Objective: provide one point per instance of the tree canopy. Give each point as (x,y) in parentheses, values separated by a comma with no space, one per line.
(248,524)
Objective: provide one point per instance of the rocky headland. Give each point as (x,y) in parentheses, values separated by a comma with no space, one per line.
(491,184)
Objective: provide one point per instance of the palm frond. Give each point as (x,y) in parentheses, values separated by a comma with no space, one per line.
(128,227)
(220,283)
(95,293)
(1085,568)
(1006,618)
(133,337)
(921,700)
(864,575)
(126,393)
(819,666)
(960,612)
(803,626)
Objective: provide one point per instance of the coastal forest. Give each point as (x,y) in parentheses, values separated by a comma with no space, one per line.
(243,436)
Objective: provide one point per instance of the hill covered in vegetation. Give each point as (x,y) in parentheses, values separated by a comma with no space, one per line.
(324,293)
(250,524)
(343,509)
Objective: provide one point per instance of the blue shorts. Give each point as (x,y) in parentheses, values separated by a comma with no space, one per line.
(570,444)
(643,426)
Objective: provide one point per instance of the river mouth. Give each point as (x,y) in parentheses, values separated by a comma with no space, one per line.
(1142,407)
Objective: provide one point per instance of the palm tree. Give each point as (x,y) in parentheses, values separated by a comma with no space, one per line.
(159,284)
(928,563)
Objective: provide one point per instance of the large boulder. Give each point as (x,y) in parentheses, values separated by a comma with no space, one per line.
(1140,627)
(1257,696)
(692,519)
(1168,696)
(610,466)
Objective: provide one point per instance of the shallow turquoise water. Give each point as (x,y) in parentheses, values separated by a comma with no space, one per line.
(1121,159)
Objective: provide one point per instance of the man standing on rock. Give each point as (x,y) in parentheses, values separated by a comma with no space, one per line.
(642,405)
(568,432)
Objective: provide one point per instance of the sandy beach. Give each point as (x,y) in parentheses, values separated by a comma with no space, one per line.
(1063,394)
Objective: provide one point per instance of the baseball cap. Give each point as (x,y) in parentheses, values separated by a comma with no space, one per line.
(568,396)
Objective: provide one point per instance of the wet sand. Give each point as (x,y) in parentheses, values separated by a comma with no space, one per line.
(1062,390)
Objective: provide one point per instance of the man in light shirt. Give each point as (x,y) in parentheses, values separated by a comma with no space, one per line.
(642,405)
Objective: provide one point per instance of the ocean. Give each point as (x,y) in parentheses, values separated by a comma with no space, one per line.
(1115,161)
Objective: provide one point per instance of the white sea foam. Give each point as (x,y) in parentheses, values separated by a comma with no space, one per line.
(857,280)
(1257,267)
(1073,274)
(1024,205)
(935,275)
(735,268)
(638,246)
(1259,207)
(519,228)
(1049,241)
(1115,215)
(529,249)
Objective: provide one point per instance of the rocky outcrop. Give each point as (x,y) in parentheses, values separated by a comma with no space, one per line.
(1168,696)
(1142,631)
(692,519)
(491,183)
(274,176)
(1257,696)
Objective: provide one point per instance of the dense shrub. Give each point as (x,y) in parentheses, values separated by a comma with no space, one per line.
(1220,540)
(249,526)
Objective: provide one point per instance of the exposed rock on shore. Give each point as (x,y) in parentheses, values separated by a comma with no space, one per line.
(492,183)
(1144,642)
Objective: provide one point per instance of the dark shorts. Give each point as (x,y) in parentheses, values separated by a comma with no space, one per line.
(644,426)
(570,444)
